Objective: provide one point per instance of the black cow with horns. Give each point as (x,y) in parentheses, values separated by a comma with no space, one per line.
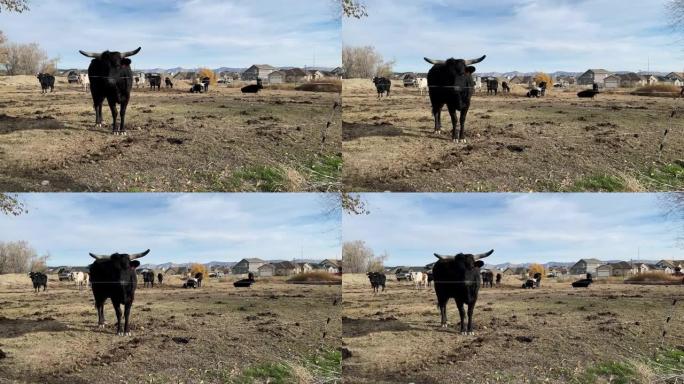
(113,277)
(458,277)
(111,78)
(451,82)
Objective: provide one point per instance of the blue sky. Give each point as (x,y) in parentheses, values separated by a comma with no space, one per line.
(186,33)
(519,227)
(176,227)
(524,35)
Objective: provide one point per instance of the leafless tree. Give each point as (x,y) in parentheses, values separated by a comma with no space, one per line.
(675,9)
(673,204)
(14,5)
(357,257)
(354,8)
(18,257)
(10,205)
(364,62)
(26,59)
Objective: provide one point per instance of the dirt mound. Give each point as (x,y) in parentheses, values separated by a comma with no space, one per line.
(658,90)
(332,86)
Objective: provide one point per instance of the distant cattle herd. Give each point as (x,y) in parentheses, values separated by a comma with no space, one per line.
(459,277)
(114,277)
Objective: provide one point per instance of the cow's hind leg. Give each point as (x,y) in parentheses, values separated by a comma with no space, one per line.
(461,313)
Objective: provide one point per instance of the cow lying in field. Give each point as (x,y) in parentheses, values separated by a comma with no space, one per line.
(245,283)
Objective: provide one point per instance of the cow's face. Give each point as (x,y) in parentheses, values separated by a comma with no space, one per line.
(457,65)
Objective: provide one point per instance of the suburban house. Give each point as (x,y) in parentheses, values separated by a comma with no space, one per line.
(296,75)
(258,71)
(592,76)
(621,268)
(338,72)
(331,266)
(585,266)
(285,268)
(304,267)
(247,265)
(277,77)
(266,270)
(604,270)
(612,82)
(315,74)
(677,78)
(651,80)
(631,80)
(670,265)
(557,271)
(565,80)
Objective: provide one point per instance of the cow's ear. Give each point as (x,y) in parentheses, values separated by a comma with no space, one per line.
(126,61)
(135,264)
(479,263)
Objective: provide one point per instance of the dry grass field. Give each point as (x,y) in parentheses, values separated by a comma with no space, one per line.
(555,143)
(271,333)
(608,333)
(177,141)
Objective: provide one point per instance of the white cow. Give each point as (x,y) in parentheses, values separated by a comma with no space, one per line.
(80,278)
(84,80)
(422,85)
(417,278)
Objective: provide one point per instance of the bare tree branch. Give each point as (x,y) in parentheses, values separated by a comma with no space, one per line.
(10,205)
(14,5)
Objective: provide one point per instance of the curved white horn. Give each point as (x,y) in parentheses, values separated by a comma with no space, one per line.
(431,61)
(483,255)
(475,61)
(139,255)
(99,257)
(130,53)
(91,54)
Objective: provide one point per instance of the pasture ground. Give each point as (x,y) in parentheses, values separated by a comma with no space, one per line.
(556,143)
(607,333)
(177,141)
(273,332)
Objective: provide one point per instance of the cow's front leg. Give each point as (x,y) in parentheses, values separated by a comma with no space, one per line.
(122,115)
(461,313)
(117,309)
(454,123)
(471,307)
(462,120)
(443,314)
(127,314)
(100,315)
(437,115)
